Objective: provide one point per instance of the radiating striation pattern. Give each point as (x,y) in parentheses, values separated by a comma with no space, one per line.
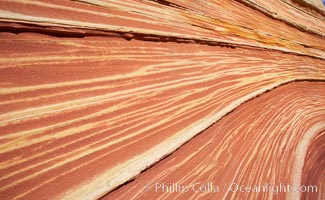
(102,98)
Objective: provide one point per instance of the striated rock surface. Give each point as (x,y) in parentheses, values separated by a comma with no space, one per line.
(261,142)
(104,98)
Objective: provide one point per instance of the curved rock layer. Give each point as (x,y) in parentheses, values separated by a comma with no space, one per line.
(261,142)
(313,171)
(94,92)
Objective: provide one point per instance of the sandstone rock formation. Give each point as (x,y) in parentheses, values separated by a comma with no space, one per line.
(112,98)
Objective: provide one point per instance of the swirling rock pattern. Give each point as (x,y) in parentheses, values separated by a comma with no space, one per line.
(260,142)
(95,92)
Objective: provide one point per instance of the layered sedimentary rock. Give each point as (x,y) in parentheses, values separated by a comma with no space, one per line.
(261,142)
(94,92)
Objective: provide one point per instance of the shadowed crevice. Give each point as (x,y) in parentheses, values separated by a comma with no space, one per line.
(70,32)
